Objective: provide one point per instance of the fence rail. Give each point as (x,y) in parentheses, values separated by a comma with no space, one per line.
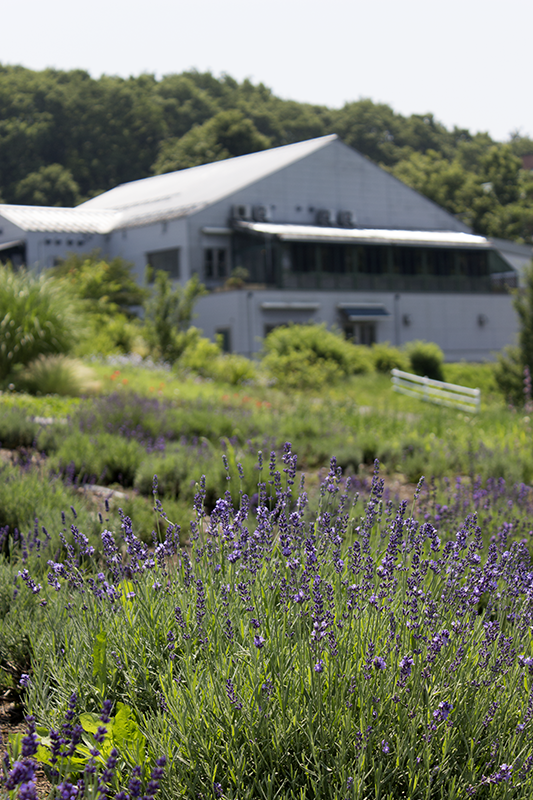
(444,394)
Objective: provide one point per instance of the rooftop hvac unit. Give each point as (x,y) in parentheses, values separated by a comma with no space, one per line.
(241,212)
(261,213)
(325,216)
(346,219)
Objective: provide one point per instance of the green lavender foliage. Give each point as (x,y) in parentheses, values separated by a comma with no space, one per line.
(348,652)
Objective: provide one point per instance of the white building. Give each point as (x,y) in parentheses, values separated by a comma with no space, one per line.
(324,234)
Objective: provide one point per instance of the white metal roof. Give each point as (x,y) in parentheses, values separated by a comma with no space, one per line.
(56,220)
(180,193)
(315,233)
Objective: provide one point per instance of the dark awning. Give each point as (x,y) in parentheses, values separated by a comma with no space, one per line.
(363,311)
(11,245)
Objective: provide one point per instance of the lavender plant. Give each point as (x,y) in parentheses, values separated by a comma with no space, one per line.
(80,760)
(333,654)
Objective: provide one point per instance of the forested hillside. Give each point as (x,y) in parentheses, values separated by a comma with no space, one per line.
(65,137)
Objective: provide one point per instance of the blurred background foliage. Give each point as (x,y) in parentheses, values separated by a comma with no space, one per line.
(66,137)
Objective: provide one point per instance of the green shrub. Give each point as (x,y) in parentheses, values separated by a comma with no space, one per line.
(235,369)
(386,357)
(179,470)
(57,375)
(104,458)
(29,495)
(476,376)
(305,356)
(16,428)
(111,335)
(200,356)
(426,359)
(515,364)
(37,317)
(104,285)
(168,316)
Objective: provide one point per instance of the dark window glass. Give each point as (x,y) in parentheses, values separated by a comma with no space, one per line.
(361,332)
(473,263)
(407,260)
(333,258)
(441,262)
(215,262)
(167,261)
(224,335)
(208,262)
(303,257)
(221,263)
(373,260)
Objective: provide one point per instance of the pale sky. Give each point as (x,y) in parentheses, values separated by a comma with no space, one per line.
(467,61)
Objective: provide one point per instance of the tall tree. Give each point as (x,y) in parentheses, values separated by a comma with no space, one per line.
(227,134)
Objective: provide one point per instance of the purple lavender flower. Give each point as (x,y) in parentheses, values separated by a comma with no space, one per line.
(25,680)
(100,734)
(217,789)
(21,772)
(232,695)
(319,666)
(504,773)
(28,791)
(379,663)
(35,588)
(155,778)
(406,665)
(67,791)
(385,747)
(259,641)
(30,741)
(442,711)
(134,785)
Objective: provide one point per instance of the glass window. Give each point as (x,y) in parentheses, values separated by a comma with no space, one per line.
(215,262)
(361,332)
(407,260)
(373,259)
(167,261)
(224,337)
(441,262)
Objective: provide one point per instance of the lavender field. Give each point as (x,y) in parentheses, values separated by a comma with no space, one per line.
(261,620)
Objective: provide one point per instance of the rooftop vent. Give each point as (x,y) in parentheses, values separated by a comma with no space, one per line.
(346,219)
(241,212)
(325,216)
(261,213)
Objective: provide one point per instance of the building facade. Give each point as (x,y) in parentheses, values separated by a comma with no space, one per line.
(321,233)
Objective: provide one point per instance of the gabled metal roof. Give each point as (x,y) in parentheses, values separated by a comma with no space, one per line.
(60,220)
(177,194)
(315,233)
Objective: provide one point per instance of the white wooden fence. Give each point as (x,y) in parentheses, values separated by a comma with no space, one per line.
(445,394)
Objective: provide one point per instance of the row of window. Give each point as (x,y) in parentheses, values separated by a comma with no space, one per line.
(215,262)
(381,260)
(68,242)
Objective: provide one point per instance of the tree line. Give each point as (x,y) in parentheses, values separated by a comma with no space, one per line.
(66,137)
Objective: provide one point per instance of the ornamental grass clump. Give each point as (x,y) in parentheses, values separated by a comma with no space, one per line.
(37,317)
(339,653)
